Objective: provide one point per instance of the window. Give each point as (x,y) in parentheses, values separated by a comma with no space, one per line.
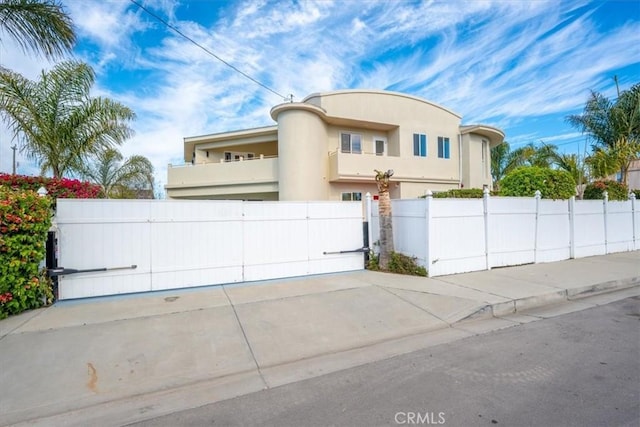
(236,156)
(379,146)
(348,197)
(351,143)
(484,158)
(443,147)
(420,144)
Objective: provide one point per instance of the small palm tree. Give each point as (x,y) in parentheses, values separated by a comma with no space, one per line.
(386,221)
(40,27)
(56,121)
(505,160)
(119,179)
(541,155)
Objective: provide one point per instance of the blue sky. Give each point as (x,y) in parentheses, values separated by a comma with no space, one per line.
(519,65)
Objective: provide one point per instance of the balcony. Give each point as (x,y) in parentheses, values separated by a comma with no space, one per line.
(217,180)
(359,167)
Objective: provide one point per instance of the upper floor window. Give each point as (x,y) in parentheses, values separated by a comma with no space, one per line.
(378,146)
(443,147)
(351,143)
(420,144)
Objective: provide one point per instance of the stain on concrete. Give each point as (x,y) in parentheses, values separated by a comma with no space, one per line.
(93,377)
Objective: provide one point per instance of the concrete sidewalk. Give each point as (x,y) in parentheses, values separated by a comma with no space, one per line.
(117,360)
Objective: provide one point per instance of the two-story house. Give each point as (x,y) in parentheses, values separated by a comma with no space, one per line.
(327,147)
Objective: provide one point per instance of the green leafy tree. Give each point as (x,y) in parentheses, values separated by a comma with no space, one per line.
(614,130)
(524,181)
(119,177)
(57,122)
(39,27)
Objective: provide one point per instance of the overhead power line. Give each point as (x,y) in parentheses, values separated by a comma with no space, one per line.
(168,25)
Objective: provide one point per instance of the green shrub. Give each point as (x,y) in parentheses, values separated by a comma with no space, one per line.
(399,264)
(552,183)
(460,193)
(637,193)
(25,219)
(615,190)
(403,264)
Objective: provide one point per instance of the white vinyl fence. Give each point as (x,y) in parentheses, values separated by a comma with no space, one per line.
(179,244)
(449,236)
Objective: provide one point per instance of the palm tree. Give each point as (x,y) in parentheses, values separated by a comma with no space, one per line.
(540,155)
(39,27)
(505,160)
(56,121)
(605,162)
(614,129)
(119,179)
(386,221)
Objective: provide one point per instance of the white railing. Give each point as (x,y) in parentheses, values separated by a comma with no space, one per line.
(241,159)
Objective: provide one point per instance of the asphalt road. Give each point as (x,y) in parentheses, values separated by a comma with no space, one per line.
(580,369)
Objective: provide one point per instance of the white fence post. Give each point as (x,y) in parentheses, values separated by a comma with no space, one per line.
(632,197)
(428,215)
(572,227)
(535,237)
(485,203)
(605,202)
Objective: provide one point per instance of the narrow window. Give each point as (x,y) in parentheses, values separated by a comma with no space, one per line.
(346,143)
(484,158)
(379,147)
(443,147)
(356,144)
(420,144)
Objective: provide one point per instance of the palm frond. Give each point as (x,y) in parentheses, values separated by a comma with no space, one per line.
(38,26)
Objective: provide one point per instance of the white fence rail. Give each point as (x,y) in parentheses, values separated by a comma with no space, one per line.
(179,244)
(449,236)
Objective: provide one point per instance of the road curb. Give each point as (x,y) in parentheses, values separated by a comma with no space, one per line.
(599,288)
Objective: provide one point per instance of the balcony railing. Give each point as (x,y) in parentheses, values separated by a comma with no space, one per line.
(262,169)
(360,166)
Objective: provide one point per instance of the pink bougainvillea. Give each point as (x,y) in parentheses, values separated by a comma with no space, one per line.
(57,188)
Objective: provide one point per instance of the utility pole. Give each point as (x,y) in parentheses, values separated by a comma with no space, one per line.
(14,147)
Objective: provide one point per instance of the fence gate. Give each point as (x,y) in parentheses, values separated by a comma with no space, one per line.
(146,245)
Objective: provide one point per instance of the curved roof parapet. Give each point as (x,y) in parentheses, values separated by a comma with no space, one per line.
(308,104)
(377,92)
(495,135)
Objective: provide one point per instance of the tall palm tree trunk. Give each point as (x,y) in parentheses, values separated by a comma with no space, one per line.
(385,217)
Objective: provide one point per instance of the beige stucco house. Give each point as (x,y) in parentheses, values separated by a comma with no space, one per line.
(327,147)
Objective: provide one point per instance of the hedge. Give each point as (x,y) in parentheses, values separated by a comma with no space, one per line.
(25,219)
